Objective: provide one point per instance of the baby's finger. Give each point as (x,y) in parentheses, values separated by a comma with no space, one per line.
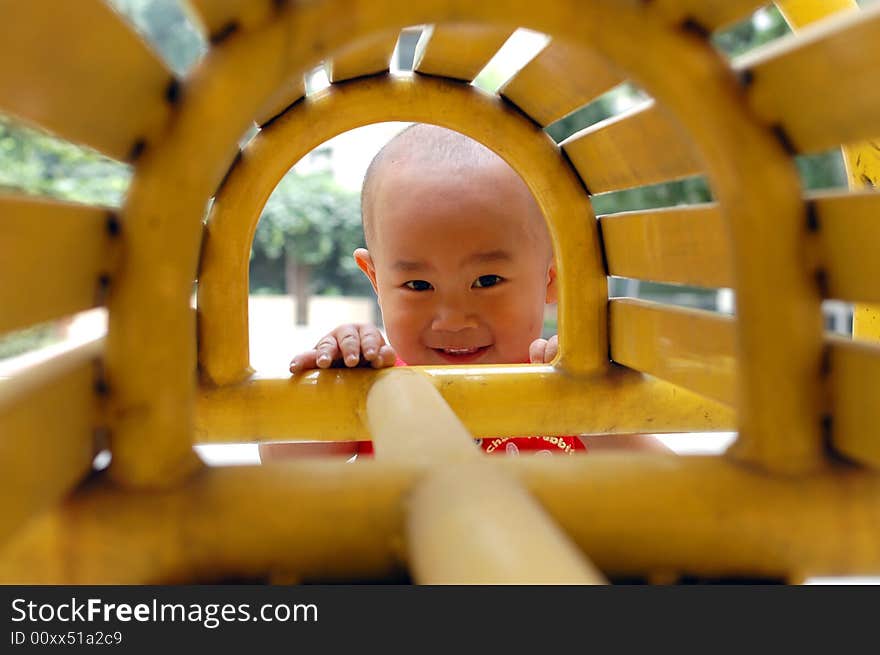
(304,361)
(536,351)
(386,357)
(327,351)
(349,343)
(371,341)
(552,349)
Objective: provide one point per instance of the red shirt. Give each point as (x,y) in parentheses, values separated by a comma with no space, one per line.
(507,445)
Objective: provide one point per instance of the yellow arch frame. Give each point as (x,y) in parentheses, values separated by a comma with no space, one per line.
(779,388)
(223,288)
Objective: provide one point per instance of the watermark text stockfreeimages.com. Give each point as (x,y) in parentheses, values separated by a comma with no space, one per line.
(209,615)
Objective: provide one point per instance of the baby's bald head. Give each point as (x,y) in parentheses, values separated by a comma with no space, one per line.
(429,153)
(459,253)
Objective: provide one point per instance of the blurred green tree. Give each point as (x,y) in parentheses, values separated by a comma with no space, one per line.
(37,163)
(311,226)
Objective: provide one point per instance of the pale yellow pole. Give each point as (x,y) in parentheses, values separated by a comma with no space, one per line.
(467,521)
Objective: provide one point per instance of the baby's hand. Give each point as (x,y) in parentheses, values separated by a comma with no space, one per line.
(542,351)
(347,345)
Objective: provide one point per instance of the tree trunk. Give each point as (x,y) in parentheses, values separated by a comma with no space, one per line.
(296,279)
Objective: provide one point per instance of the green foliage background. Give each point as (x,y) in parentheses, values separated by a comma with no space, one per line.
(312,219)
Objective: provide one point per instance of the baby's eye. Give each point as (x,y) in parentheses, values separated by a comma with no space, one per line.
(487,281)
(418,285)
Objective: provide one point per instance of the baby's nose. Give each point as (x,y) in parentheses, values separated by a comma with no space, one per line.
(453,318)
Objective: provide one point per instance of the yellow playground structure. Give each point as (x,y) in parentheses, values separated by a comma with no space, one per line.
(796,495)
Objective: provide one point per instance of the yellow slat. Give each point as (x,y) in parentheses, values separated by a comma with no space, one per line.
(78,70)
(492,400)
(641,146)
(820,85)
(48,416)
(710,14)
(685,245)
(866,322)
(459,51)
(560,79)
(799,13)
(695,350)
(285,95)
(688,347)
(221,18)
(849,230)
(855,399)
(51,258)
(367,57)
(689,245)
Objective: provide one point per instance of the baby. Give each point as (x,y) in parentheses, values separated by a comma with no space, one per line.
(462,263)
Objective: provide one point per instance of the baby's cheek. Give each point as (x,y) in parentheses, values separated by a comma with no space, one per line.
(403,335)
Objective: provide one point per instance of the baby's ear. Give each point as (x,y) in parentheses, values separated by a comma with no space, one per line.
(552,289)
(365,262)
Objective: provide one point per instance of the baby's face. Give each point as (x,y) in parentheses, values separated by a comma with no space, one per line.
(461,263)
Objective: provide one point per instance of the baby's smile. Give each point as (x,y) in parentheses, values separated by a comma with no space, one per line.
(461,355)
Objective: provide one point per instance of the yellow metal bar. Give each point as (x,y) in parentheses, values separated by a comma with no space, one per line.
(223,279)
(800,13)
(491,400)
(862,159)
(153,386)
(685,245)
(688,347)
(310,521)
(834,56)
(111,93)
(292,90)
(709,516)
(561,78)
(849,230)
(855,400)
(459,50)
(639,147)
(863,171)
(866,322)
(863,164)
(48,420)
(222,18)
(367,57)
(710,14)
(634,513)
(52,257)
(849,233)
